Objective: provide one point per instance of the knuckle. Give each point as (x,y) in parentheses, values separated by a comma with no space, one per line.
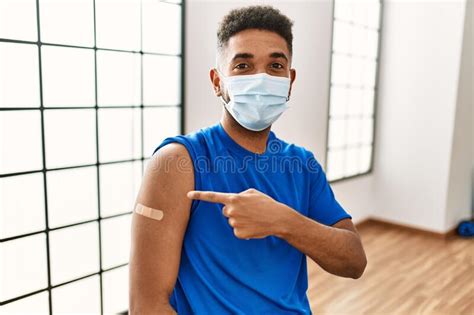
(226,211)
(233,199)
(238,233)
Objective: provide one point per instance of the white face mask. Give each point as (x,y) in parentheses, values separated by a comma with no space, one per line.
(256,100)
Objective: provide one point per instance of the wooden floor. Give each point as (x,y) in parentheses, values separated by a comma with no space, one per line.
(406,273)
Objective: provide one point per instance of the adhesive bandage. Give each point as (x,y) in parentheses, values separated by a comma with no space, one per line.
(149,212)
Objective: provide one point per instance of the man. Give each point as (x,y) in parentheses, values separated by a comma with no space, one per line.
(230,212)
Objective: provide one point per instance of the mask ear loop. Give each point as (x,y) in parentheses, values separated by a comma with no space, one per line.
(221,76)
(223,100)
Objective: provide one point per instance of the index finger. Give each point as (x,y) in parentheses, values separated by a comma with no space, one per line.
(211,196)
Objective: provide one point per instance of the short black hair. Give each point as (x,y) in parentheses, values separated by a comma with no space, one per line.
(263,17)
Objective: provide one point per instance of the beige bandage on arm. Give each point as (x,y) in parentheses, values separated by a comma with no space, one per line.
(149,212)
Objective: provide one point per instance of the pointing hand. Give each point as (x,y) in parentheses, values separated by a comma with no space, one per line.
(251,213)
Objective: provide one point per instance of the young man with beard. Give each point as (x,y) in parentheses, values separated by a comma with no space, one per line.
(237,209)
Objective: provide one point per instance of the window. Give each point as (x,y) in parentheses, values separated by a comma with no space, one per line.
(88,89)
(353,88)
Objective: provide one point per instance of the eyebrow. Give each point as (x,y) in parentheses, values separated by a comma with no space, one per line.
(242,56)
(250,56)
(278,55)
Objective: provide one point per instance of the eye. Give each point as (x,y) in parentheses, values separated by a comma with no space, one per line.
(277,65)
(241,66)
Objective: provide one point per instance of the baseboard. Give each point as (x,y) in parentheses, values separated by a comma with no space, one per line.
(376,221)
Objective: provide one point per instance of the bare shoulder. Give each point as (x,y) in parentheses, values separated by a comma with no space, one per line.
(168,177)
(173,157)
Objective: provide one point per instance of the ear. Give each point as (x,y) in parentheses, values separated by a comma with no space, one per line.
(292,78)
(216,81)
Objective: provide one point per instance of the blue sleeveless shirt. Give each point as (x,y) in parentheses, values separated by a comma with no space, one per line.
(222,274)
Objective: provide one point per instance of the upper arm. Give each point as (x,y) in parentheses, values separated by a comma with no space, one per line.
(156,244)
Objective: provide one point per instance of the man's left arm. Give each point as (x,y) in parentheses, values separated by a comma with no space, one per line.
(325,233)
(253,214)
(337,249)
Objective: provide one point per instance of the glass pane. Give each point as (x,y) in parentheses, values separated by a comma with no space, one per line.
(352,161)
(372,43)
(159,123)
(360,12)
(356,72)
(21,215)
(119,186)
(115,290)
(355,101)
(81,296)
(335,164)
(340,69)
(18,128)
(70,137)
(365,158)
(161,80)
(115,241)
(67,22)
(65,204)
(367,130)
(368,103)
(74,252)
(118,24)
(161,27)
(359,41)
(341,37)
(373,14)
(353,131)
(68,76)
(338,101)
(19,75)
(343,9)
(118,78)
(18,19)
(119,134)
(35,304)
(145,164)
(337,132)
(368,78)
(23,266)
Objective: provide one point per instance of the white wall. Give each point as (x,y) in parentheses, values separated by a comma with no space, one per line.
(459,189)
(305,122)
(421,51)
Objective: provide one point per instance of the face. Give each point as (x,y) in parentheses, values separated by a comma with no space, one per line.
(253,51)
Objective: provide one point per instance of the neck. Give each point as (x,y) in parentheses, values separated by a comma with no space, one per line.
(254,141)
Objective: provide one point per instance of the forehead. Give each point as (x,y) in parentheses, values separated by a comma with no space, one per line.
(257,42)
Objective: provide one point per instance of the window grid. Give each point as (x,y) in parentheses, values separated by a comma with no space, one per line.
(97,165)
(348,86)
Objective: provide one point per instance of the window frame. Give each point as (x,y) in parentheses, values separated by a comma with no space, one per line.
(375,101)
(144,155)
